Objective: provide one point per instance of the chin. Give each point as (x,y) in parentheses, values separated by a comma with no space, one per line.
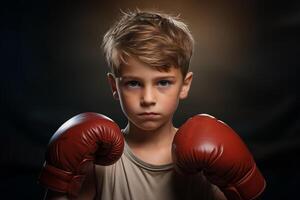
(148,126)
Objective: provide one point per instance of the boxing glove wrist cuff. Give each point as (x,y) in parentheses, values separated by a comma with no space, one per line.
(60,180)
(247,189)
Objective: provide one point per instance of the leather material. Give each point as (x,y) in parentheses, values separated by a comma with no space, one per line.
(205,143)
(84,140)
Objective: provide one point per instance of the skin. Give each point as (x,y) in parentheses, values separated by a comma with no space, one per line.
(143,89)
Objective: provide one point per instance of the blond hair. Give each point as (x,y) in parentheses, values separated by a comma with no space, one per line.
(157,39)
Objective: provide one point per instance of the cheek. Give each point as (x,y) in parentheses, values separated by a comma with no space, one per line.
(128,100)
(171,100)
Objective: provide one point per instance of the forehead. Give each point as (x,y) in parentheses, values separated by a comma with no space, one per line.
(134,67)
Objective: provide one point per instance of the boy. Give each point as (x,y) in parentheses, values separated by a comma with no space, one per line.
(149,55)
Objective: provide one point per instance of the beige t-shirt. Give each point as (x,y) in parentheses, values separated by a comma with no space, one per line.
(133,179)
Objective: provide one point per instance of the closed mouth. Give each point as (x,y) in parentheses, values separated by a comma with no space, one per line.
(149,113)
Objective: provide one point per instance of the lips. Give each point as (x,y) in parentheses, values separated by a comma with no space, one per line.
(149,115)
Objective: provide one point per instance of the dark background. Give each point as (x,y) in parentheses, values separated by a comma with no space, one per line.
(245,66)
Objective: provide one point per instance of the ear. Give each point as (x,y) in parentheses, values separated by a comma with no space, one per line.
(186,85)
(112,82)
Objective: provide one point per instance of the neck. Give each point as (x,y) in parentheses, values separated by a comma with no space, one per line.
(159,137)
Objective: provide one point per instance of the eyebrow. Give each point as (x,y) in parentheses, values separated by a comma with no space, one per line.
(155,78)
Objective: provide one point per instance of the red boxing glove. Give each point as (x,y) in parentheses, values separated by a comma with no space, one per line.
(205,143)
(83,140)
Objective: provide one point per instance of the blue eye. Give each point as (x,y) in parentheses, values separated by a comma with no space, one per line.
(133,84)
(164,83)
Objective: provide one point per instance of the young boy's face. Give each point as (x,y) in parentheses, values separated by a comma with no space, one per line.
(149,97)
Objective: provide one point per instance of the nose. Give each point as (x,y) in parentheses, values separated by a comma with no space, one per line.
(148,97)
